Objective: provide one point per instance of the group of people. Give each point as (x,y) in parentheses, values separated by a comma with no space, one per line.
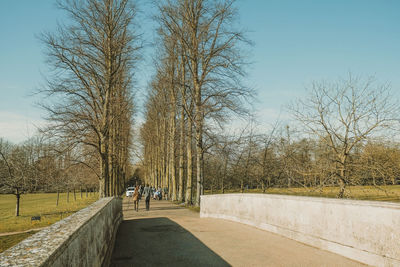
(147,192)
(157,194)
(138,193)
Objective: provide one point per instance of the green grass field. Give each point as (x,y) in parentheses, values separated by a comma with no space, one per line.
(42,204)
(389,193)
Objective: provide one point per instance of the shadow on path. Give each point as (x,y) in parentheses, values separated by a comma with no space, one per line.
(129,208)
(160,242)
(167,208)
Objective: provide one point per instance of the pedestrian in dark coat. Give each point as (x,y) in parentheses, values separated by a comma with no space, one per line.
(136,198)
(147,194)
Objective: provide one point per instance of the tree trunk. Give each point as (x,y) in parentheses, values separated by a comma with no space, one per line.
(224,176)
(181,148)
(74,194)
(18,195)
(342,176)
(172,167)
(166,157)
(68,195)
(167,171)
(58,196)
(189,159)
(199,164)
(199,142)
(104,177)
(342,188)
(104,180)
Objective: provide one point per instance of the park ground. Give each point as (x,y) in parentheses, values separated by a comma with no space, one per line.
(14,229)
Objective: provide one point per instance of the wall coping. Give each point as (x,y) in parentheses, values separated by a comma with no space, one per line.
(49,243)
(380,204)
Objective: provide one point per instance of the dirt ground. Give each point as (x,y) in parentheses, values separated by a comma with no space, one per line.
(170,235)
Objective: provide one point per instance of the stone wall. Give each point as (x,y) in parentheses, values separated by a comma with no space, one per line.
(85,238)
(366,231)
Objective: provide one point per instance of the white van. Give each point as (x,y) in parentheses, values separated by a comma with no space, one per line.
(130,191)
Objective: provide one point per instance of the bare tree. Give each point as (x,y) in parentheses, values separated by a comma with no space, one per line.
(343,115)
(15,171)
(91,86)
(266,159)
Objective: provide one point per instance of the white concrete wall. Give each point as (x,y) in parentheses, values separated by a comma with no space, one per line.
(366,231)
(85,238)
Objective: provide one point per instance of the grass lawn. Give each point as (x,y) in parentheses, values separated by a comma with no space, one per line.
(42,204)
(389,193)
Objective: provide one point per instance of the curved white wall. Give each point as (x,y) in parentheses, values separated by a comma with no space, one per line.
(366,231)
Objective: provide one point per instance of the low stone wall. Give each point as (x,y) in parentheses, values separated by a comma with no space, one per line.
(366,231)
(85,238)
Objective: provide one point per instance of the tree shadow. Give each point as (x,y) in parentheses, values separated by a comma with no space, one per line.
(160,242)
(167,208)
(142,205)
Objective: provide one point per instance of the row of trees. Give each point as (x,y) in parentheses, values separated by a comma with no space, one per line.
(264,161)
(345,135)
(89,95)
(197,84)
(38,166)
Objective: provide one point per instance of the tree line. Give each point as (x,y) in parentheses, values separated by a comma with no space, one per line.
(88,97)
(198,87)
(342,134)
(198,83)
(263,161)
(39,166)
(90,93)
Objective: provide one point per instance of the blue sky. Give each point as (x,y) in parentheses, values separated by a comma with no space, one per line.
(295,42)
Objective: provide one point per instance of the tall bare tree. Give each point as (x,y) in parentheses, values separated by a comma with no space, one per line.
(15,171)
(343,115)
(91,87)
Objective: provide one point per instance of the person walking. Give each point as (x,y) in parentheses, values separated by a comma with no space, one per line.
(136,198)
(147,194)
(159,190)
(165,193)
(141,190)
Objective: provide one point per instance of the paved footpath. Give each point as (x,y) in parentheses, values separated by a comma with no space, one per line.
(169,235)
